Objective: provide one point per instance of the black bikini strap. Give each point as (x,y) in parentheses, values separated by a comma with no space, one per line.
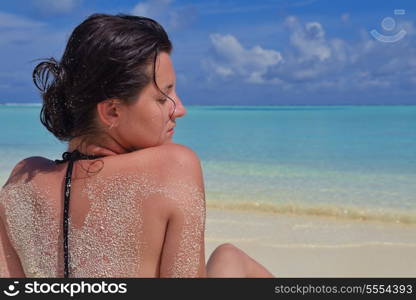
(75,155)
(70,157)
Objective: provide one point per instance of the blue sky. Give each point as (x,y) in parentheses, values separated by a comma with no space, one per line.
(306,52)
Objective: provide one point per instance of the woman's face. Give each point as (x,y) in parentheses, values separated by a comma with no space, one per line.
(149,121)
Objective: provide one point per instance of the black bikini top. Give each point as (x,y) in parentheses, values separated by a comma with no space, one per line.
(70,157)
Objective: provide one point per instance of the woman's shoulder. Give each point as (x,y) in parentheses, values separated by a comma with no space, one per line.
(27,168)
(174,169)
(172,155)
(170,150)
(179,172)
(166,160)
(38,161)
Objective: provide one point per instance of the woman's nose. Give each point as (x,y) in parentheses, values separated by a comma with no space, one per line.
(180,110)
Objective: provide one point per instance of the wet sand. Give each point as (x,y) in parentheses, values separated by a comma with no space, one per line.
(308,246)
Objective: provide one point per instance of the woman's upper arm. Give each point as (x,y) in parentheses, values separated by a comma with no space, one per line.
(10,265)
(183,253)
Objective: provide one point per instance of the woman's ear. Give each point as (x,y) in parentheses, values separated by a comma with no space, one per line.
(109,112)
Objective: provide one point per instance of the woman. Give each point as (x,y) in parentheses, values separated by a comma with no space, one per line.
(124,201)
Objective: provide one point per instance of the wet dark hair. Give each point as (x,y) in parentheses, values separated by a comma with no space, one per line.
(107,56)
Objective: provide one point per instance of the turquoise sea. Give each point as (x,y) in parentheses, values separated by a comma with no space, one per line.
(355,162)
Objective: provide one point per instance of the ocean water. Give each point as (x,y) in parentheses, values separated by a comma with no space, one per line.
(355,162)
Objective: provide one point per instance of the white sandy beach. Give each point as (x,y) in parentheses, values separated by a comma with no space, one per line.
(308,246)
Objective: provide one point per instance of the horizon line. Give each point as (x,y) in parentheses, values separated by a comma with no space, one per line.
(289,104)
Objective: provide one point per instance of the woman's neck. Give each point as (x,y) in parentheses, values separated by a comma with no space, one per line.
(104,147)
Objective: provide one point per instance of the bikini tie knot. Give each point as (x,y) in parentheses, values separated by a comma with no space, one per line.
(74,155)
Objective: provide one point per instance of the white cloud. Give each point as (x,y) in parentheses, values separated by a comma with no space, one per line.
(151,8)
(8,20)
(183,17)
(407,26)
(309,40)
(20,30)
(223,71)
(309,55)
(56,6)
(163,12)
(323,63)
(233,59)
(314,62)
(22,42)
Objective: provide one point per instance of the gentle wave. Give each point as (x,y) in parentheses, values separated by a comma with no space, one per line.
(333,211)
(340,246)
(268,108)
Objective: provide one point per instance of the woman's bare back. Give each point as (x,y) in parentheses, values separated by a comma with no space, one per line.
(122,208)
